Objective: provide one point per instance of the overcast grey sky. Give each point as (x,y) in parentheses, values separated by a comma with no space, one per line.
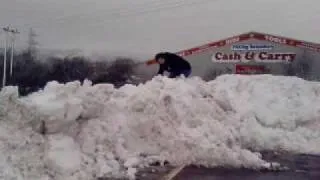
(148,26)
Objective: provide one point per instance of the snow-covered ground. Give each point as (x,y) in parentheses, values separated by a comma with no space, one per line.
(99,131)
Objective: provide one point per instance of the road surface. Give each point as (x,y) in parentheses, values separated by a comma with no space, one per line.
(302,167)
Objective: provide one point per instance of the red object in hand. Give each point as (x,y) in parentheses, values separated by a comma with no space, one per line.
(152,61)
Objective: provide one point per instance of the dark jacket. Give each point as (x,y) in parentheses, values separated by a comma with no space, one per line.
(173,63)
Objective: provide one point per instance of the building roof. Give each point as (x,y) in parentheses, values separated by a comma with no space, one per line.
(251,35)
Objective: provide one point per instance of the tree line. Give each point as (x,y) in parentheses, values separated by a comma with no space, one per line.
(31,74)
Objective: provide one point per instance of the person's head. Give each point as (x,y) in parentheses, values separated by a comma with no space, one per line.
(160,58)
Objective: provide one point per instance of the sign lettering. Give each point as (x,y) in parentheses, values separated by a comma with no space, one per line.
(266,57)
(251,47)
(275,39)
(232,40)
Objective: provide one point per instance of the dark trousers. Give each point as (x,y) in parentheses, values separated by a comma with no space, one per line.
(175,74)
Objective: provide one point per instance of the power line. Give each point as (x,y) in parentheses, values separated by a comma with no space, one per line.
(110,11)
(124,16)
(126,13)
(120,13)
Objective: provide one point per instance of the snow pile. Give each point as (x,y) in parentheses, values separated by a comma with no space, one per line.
(21,148)
(99,131)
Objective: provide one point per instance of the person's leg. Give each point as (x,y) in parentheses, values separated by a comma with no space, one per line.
(186,73)
(173,75)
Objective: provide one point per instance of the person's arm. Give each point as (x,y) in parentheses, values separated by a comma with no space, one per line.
(161,69)
(151,62)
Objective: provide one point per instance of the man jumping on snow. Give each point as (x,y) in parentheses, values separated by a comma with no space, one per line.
(173,63)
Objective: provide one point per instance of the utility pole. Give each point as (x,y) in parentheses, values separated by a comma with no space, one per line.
(7,30)
(14,32)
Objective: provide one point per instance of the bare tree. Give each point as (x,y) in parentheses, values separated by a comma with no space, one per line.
(32,44)
(119,72)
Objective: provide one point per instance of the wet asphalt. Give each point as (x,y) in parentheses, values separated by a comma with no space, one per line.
(301,167)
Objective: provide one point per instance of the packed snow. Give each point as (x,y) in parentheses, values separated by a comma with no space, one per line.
(78,131)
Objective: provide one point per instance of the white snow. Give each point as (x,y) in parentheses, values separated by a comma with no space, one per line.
(99,131)
(63,154)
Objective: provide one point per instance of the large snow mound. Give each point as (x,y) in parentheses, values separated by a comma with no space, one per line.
(74,131)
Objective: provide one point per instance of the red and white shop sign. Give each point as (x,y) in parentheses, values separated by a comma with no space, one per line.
(266,57)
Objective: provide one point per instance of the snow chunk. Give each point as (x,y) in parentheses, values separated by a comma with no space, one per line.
(63,155)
